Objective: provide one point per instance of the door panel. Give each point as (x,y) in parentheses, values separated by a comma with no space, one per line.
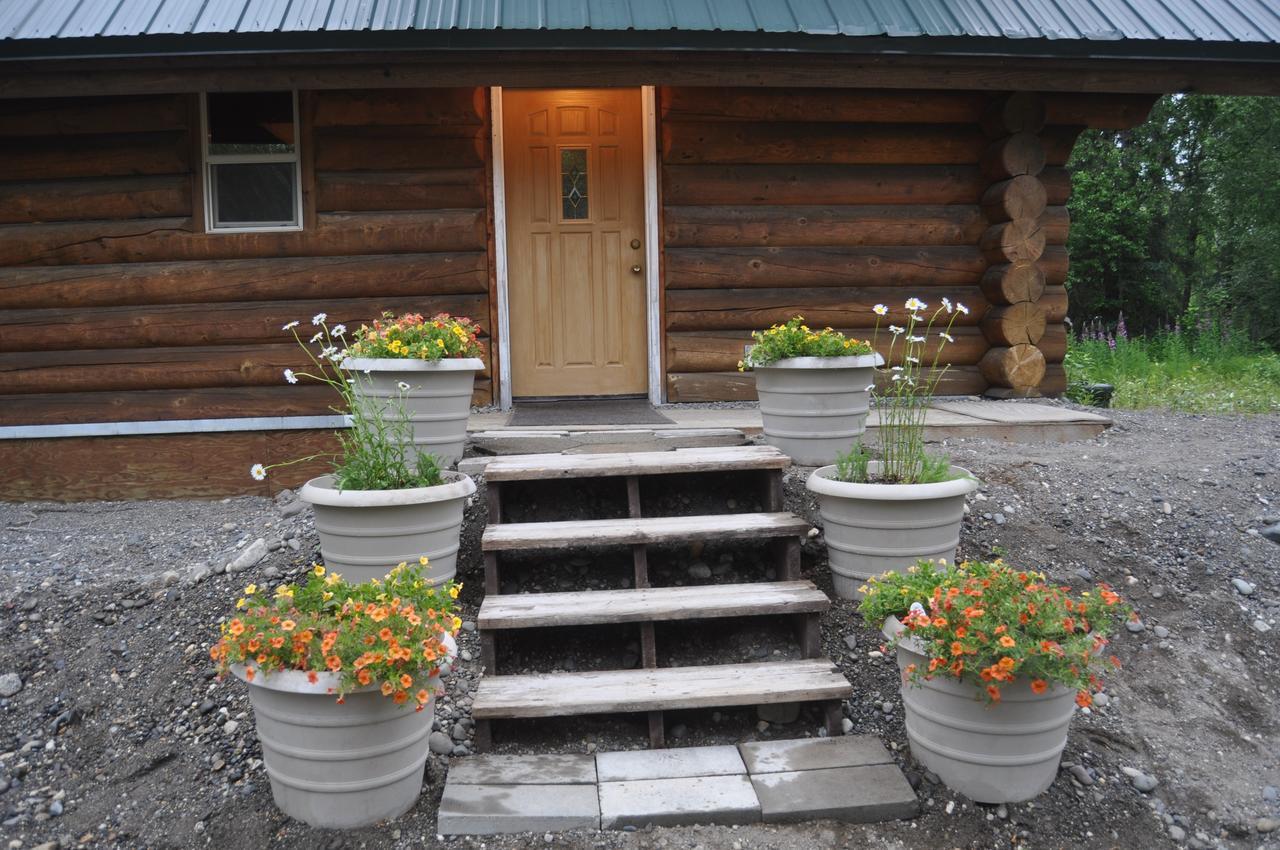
(575,223)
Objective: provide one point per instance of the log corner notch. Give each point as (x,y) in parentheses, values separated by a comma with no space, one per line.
(1013,244)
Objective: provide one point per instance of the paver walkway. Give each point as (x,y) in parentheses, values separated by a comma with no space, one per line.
(850,778)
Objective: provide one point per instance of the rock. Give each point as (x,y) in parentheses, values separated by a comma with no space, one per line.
(206,706)
(699,570)
(197,573)
(1135,626)
(1002,811)
(458,732)
(1084,574)
(1081,774)
(762,726)
(10,684)
(1177,833)
(1144,782)
(55,808)
(468,625)
(1270,793)
(1242,587)
(1101,700)
(271,573)
(851,641)
(1260,626)
(230,727)
(440,743)
(169,578)
(293,508)
(1272,532)
(846,725)
(1157,591)
(1265,825)
(1161,632)
(252,554)
(679,731)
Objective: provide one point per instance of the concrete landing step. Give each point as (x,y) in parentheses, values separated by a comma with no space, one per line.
(852,778)
(652,604)
(626,691)
(516,441)
(656,530)
(541,467)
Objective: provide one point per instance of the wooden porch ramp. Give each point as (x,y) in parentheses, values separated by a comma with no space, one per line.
(649,690)
(1011,421)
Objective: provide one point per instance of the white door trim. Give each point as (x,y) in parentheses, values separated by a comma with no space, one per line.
(653,330)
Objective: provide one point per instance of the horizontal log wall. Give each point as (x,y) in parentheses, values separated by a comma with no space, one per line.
(817,203)
(115,305)
(823,203)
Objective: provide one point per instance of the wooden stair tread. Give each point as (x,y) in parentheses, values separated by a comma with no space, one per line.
(651,604)
(666,688)
(539,467)
(613,532)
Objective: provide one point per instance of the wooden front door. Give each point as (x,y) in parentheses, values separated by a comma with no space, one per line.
(575,256)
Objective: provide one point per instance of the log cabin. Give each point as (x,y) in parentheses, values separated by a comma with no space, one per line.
(618,192)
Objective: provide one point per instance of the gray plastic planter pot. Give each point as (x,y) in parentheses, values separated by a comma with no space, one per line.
(339,765)
(813,408)
(437,402)
(874,528)
(1004,752)
(365,533)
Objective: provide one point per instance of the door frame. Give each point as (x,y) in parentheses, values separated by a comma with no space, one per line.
(652,276)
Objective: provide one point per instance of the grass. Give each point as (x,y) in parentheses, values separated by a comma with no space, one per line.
(1208,372)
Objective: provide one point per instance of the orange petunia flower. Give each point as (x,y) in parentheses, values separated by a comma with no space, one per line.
(385,633)
(957,648)
(312,676)
(1039,686)
(248,674)
(387,688)
(363,677)
(423,697)
(401,697)
(333,662)
(277,642)
(993,692)
(1007,641)
(288,625)
(406,681)
(235,627)
(1084,699)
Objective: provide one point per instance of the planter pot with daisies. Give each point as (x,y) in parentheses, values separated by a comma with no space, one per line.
(994,662)
(885,512)
(427,366)
(342,691)
(813,389)
(364,533)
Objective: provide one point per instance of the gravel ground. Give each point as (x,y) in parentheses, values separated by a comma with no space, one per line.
(114,732)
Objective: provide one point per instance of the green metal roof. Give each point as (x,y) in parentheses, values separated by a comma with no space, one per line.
(1218,28)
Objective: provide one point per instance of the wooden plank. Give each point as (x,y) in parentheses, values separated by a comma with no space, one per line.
(78,116)
(741,386)
(1054,264)
(1057,185)
(655,604)
(158,239)
(401,148)
(162,466)
(1099,112)
(112,155)
(1058,143)
(720,351)
(265,279)
(823,225)
(851,307)
(542,467)
(187,367)
(154,196)
(362,108)
(848,105)
(1056,223)
(440,188)
(807,141)
(621,532)
(239,323)
(821,184)
(561,694)
(773,267)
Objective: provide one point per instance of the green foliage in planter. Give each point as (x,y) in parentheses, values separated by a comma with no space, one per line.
(988,623)
(795,339)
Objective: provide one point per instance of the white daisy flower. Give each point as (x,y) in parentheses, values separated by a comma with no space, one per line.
(328,351)
(895,369)
(896,330)
(318,318)
(911,382)
(869,388)
(946,302)
(290,377)
(258,471)
(880,310)
(339,330)
(319,335)
(897,377)
(404,388)
(338,356)
(915,339)
(916,317)
(290,326)
(913,359)
(914,304)
(962,308)
(948,337)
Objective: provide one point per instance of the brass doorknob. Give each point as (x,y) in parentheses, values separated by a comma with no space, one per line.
(636,268)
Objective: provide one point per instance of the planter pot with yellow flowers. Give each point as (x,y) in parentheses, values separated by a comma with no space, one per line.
(426,365)
(994,661)
(342,680)
(813,388)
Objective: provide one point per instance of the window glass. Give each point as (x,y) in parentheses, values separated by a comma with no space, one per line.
(251,155)
(251,123)
(573,184)
(248,194)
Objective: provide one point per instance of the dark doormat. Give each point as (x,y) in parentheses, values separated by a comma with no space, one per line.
(593,411)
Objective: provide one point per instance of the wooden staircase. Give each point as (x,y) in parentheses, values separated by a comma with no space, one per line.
(651,689)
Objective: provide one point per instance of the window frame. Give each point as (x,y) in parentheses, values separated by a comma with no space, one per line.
(208,161)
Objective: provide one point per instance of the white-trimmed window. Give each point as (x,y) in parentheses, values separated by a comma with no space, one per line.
(252,172)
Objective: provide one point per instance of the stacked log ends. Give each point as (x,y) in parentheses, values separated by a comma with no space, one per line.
(1013,245)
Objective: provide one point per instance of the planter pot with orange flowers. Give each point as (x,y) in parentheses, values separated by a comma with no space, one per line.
(342,679)
(994,661)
